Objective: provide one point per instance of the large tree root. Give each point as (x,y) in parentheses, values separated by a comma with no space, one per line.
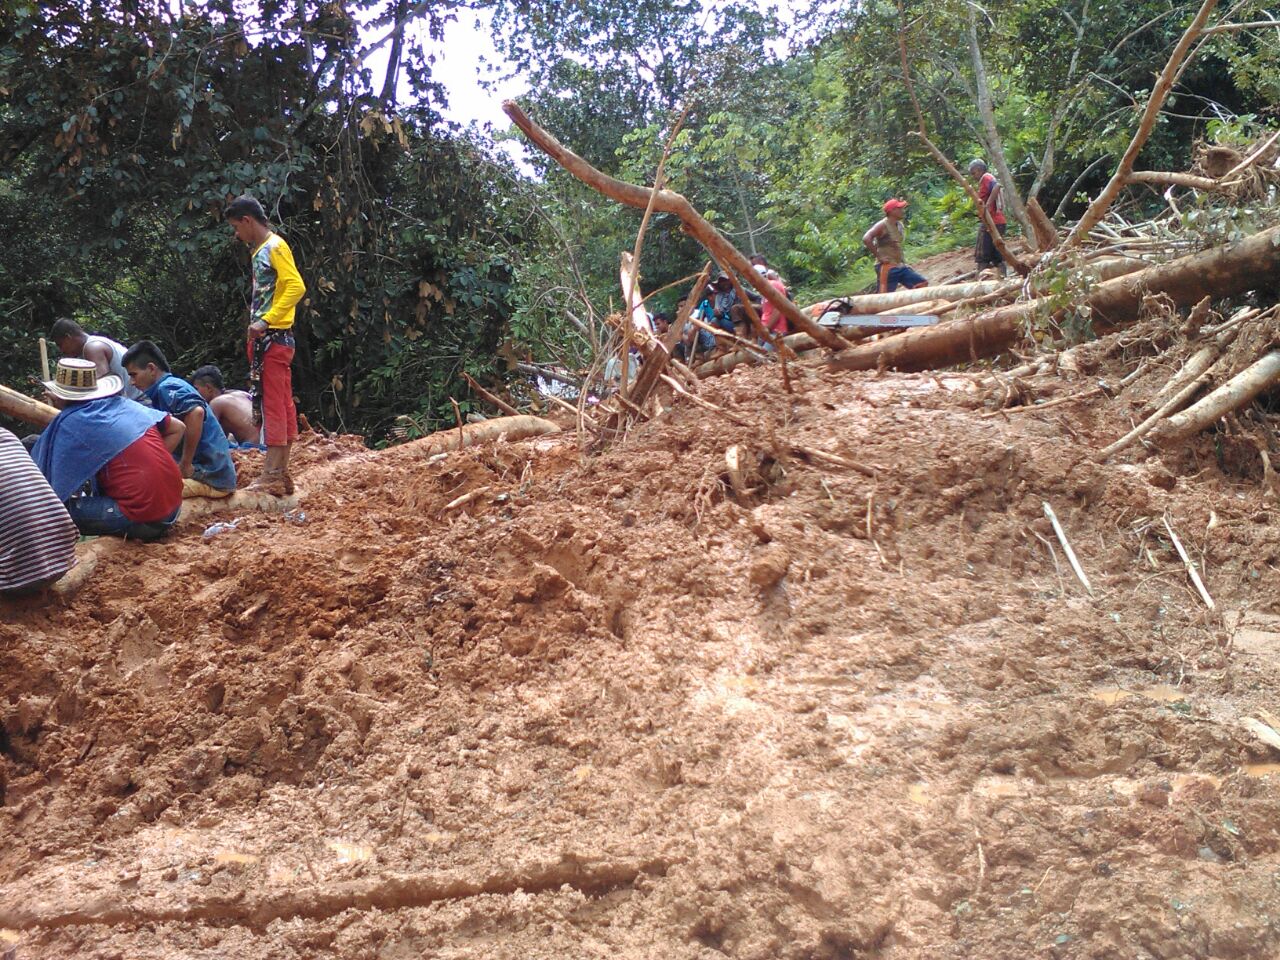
(396,892)
(1236,393)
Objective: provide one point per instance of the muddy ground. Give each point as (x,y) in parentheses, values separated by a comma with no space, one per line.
(610,709)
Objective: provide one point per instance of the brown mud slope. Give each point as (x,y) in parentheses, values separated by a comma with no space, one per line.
(605,709)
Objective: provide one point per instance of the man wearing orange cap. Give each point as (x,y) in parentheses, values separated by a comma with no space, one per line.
(884,240)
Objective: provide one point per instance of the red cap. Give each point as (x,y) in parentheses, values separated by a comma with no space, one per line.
(895,204)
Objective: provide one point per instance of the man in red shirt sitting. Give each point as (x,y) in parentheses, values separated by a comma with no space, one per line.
(120,448)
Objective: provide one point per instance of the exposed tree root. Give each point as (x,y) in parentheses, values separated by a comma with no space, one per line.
(397,892)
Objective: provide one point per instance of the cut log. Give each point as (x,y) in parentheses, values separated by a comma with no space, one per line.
(668,201)
(1189,180)
(21,407)
(1105,269)
(1237,392)
(1221,272)
(499,428)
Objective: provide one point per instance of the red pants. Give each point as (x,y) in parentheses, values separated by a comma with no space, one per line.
(279,416)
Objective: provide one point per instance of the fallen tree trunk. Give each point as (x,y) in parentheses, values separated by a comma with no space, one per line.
(24,408)
(1237,392)
(876,302)
(1105,269)
(1189,180)
(668,202)
(798,342)
(442,441)
(1221,272)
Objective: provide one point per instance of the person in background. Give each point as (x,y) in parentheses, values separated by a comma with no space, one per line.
(985,254)
(233,408)
(884,240)
(122,449)
(727,310)
(760,263)
(107,355)
(37,536)
(277,288)
(695,343)
(205,458)
(773,319)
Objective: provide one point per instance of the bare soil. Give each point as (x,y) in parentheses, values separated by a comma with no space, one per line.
(610,710)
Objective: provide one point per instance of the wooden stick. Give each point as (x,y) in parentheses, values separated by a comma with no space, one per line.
(705,404)
(457,415)
(1252,156)
(581,414)
(1033,407)
(725,335)
(491,398)
(1170,406)
(1191,567)
(44,359)
(1066,547)
(837,460)
(668,202)
(466,498)
(1098,208)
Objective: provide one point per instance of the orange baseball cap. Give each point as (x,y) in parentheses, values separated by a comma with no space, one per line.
(895,204)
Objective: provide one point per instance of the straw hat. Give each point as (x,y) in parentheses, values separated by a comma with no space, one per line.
(78,379)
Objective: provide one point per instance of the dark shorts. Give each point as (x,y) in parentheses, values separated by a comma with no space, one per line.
(985,253)
(891,278)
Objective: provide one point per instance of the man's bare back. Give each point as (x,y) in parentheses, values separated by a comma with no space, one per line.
(234,410)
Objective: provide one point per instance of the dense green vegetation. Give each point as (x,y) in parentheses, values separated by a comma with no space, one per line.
(124,127)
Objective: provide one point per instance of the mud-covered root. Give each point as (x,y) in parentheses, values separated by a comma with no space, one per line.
(1236,393)
(395,892)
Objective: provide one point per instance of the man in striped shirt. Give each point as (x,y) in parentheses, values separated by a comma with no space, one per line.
(37,537)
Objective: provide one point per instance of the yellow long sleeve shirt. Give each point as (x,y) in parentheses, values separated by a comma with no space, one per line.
(277,285)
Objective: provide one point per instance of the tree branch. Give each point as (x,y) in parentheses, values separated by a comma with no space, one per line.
(668,202)
(1098,208)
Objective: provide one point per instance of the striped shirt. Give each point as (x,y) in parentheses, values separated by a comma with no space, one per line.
(37,537)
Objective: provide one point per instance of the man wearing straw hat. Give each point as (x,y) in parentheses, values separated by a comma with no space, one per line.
(119,448)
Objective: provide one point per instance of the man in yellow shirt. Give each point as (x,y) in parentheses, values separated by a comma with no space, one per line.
(277,288)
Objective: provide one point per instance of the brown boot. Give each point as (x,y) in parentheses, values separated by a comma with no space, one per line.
(288,483)
(272,483)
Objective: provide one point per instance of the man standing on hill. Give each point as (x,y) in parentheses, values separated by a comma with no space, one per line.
(277,288)
(884,240)
(103,352)
(985,253)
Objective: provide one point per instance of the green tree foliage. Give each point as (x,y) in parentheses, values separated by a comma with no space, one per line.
(128,129)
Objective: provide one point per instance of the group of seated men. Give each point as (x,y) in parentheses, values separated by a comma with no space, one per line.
(721,319)
(130,441)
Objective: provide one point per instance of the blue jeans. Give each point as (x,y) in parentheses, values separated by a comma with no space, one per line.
(101,517)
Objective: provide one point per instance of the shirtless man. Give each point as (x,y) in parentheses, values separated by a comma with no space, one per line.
(233,408)
(884,241)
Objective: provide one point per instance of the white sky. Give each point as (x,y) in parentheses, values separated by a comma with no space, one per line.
(458,68)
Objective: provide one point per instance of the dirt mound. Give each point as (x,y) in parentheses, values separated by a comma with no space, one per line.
(610,706)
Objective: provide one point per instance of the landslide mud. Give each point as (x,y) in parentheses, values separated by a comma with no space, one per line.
(610,708)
